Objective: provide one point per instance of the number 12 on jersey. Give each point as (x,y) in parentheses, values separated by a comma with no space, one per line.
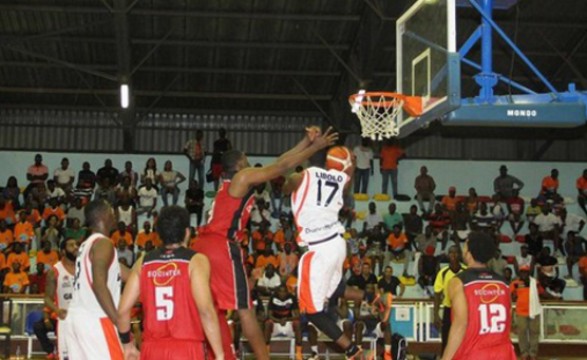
(493,318)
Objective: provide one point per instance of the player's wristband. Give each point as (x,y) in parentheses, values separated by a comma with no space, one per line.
(124,337)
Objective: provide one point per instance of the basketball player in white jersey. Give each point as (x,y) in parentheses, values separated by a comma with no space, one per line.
(92,315)
(58,292)
(316,201)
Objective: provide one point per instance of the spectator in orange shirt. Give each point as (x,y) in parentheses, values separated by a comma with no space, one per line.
(48,257)
(3,266)
(549,190)
(54,209)
(19,256)
(32,215)
(583,274)
(16,281)
(292,282)
(262,238)
(390,155)
(288,261)
(528,327)
(23,230)
(266,258)
(398,248)
(37,173)
(450,201)
(121,234)
(285,234)
(582,190)
(147,235)
(7,211)
(6,236)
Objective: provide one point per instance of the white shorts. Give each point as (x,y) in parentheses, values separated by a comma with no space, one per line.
(61,331)
(320,273)
(283,330)
(377,332)
(88,337)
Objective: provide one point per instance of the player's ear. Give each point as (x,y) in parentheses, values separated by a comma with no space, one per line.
(186,236)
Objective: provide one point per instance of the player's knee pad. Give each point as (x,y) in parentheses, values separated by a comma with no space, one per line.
(325,324)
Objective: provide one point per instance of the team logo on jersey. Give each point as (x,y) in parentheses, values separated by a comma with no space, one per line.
(164,274)
(489,293)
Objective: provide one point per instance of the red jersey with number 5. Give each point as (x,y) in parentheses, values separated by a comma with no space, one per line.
(489,317)
(170,311)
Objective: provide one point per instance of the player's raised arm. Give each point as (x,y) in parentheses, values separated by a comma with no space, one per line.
(460,318)
(200,282)
(102,255)
(249,177)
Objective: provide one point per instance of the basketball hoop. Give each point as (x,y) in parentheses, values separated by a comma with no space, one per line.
(378,112)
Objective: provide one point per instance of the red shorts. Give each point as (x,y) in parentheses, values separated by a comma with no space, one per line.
(175,349)
(228,278)
(226,334)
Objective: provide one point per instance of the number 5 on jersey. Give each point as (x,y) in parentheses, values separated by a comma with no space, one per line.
(164,302)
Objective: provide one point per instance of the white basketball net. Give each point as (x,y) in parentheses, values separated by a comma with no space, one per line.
(378,115)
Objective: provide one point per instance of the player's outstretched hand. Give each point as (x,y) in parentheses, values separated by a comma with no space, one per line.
(131,352)
(312,132)
(327,139)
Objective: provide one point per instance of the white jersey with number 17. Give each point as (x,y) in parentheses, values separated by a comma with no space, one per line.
(317,202)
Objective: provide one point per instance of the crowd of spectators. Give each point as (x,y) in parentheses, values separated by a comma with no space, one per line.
(49,209)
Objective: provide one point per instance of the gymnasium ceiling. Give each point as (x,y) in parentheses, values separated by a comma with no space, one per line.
(259,56)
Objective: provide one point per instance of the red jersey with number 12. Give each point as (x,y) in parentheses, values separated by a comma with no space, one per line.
(229,215)
(489,317)
(170,311)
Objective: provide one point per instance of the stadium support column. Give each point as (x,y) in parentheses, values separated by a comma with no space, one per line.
(486,79)
(127,115)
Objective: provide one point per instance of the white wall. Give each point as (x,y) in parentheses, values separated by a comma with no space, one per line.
(462,174)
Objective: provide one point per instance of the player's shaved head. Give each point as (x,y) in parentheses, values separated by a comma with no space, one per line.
(172,224)
(481,246)
(230,161)
(97,212)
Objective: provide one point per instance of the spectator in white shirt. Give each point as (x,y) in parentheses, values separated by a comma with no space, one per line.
(64,176)
(524,259)
(147,198)
(364,165)
(373,218)
(260,214)
(125,255)
(54,192)
(76,212)
(269,282)
(571,222)
(549,226)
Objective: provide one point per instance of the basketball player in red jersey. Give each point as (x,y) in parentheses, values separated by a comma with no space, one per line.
(219,238)
(173,284)
(481,307)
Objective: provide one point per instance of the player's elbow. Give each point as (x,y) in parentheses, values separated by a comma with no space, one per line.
(207,313)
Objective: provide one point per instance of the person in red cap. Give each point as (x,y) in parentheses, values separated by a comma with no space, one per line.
(528,326)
